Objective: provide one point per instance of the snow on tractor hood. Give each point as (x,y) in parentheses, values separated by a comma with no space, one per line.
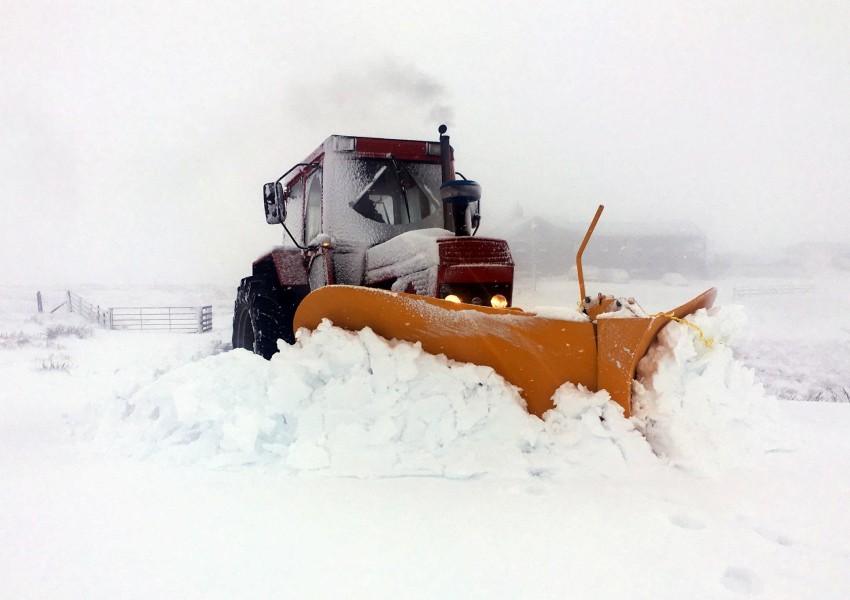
(410,259)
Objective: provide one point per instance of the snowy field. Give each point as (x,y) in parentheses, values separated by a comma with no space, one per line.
(156,465)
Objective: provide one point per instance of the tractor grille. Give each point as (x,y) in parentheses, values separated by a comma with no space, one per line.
(474,251)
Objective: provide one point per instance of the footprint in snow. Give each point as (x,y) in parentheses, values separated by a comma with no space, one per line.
(741,580)
(766,531)
(686,521)
(777,537)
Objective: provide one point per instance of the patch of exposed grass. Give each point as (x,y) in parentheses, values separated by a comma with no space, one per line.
(55,362)
(48,338)
(57,331)
(14,340)
(820,393)
(836,394)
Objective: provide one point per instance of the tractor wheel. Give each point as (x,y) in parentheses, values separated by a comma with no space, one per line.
(259,320)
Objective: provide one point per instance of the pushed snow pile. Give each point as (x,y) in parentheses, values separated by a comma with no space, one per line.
(357,405)
(695,403)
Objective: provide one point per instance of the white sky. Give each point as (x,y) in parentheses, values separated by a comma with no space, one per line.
(135,139)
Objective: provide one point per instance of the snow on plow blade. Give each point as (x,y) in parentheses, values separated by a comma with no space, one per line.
(536,354)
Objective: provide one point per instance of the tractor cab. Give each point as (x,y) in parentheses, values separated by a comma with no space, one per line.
(372,212)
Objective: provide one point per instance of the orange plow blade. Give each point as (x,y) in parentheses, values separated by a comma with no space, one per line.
(621,343)
(536,354)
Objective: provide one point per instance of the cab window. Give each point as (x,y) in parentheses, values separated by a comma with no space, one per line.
(295,211)
(395,192)
(313,208)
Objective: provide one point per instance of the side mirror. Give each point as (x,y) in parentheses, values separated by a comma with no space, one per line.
(274,203)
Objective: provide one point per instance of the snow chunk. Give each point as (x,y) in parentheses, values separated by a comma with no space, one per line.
(695,403)
(592,426)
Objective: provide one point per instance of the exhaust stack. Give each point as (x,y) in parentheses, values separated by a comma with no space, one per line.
(446,155)
(457,195)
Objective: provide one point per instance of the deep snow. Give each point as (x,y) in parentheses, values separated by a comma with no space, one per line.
(153,465)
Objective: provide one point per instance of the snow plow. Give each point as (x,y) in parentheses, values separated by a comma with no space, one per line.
(381,235)
(536,353)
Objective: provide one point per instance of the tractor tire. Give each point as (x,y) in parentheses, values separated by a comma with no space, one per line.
(259,318)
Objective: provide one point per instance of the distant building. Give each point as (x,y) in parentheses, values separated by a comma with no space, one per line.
(545,247)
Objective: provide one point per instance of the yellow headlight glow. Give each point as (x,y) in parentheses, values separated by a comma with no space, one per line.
(453,298)
(498,301)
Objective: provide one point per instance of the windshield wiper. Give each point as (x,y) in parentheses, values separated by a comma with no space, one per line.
(399,167)
(369,185)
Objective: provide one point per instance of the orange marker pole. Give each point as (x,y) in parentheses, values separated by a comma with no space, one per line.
(587,235)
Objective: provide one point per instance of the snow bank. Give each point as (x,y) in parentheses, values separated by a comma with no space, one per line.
(356,405)
(695,403)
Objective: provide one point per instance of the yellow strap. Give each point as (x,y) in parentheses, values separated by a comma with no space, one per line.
(709,342)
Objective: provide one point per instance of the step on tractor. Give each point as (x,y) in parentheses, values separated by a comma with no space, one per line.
(381,233)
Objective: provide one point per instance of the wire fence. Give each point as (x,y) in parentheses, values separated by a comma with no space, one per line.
(14,301)
(87,310)
(24,301)
(771,290)
(187,319)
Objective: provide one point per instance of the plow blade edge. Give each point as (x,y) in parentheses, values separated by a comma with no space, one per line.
(536,354)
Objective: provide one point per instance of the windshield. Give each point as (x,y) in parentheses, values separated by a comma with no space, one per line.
(395,192)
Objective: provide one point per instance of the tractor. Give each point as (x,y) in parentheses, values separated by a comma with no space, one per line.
(380,233)
(371,212)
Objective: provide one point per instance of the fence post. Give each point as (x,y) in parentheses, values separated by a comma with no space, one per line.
(111,318)
(70,304)
(38,301)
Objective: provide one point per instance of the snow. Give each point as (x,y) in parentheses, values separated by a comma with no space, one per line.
(564,313)
(410,258)
(697,405)
(155,465)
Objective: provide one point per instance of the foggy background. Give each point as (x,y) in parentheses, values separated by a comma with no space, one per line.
(135,139)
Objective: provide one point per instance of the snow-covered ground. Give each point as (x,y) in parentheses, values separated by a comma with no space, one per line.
(155,465)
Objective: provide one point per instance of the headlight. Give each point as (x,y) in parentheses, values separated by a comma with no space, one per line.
(499,301)
(452,298)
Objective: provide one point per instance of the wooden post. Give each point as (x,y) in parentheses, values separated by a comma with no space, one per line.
(38,301)
(70,304)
